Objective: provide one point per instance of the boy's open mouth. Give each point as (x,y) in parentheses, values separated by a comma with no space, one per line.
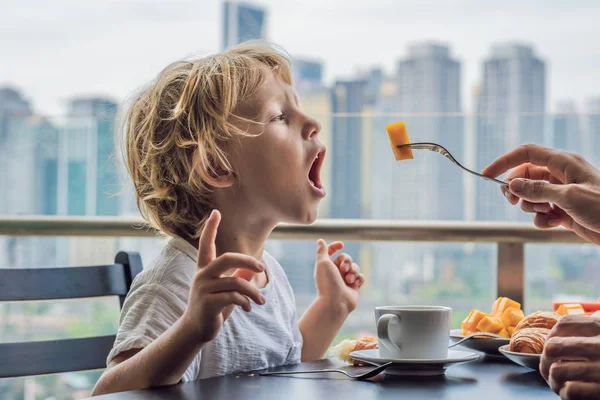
(315,169)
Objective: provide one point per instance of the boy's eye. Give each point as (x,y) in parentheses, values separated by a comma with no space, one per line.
(280,117)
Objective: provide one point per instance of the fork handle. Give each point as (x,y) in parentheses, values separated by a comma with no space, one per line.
(317,371)
(473,336)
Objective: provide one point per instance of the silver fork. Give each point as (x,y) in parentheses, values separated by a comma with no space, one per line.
(440,149)
(476,334)
(359,377)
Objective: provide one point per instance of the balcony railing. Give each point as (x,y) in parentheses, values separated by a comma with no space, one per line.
(510,237)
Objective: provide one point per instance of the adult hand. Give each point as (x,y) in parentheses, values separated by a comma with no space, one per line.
(571,358)
(559,188)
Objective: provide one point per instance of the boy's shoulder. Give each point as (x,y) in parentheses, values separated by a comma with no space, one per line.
(174,266)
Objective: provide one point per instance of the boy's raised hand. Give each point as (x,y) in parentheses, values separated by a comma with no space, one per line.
(339,279)
(214,295)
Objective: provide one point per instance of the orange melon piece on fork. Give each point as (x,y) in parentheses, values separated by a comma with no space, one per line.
(398,136)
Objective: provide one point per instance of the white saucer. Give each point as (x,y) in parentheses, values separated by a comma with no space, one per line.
(415,367)
(526,360)
(483,344)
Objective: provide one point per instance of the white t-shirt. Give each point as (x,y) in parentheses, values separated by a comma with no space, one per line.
(267,336)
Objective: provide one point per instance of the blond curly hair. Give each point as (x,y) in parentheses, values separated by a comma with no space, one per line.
(177,128)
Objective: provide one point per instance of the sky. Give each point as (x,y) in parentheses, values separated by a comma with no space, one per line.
(52,51)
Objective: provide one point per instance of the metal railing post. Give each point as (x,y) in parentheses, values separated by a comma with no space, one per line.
(511,271)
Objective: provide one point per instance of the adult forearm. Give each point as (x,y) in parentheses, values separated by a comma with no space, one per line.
(163,362)
(319,325)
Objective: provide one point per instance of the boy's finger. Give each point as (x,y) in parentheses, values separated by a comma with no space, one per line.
(335,247)
(355,268)
(322,250)
(224,299)
(231,261)
(235,285)
(343,262)
(350,278)
(360,280)
(206,246)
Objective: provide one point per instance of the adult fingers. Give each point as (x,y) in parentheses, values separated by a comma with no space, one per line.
(529,171)
(538,191)
(576,326)
(556,161)
(572,348)
(564,371)
(530,207)
(580,391)
(548,220)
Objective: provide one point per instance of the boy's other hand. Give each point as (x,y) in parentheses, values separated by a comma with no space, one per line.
(338,280)
(213,295)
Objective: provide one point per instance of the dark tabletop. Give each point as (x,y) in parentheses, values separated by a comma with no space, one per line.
(488,378)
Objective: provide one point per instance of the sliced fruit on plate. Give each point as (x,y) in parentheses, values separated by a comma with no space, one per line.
(469,324)
(587,307)
(570,309)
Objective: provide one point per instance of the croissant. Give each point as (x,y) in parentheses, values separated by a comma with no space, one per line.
(366,343)
(530,334)
(529,340)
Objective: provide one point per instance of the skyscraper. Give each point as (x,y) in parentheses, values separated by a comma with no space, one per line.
(425,94)
(510,112)
(349,99)
(28,173)
(87,172)
(593,130)
(566,128)
(307,74)
(241,22)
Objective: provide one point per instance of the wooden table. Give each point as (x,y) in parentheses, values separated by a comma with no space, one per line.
(489,378)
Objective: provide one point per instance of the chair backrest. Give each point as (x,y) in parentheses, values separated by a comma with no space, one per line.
(65,355)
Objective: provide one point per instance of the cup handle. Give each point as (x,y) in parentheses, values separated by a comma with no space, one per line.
(383,330)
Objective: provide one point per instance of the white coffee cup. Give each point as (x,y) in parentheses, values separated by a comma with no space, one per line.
(413,332)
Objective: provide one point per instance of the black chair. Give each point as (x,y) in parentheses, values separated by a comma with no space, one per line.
(66,355)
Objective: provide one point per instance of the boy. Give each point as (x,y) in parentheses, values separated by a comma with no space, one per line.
(224,133)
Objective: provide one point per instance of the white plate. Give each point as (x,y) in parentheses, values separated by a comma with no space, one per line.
(483,345)
(526,360)
(415,367)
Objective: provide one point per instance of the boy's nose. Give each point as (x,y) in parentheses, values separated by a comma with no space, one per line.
(312,127)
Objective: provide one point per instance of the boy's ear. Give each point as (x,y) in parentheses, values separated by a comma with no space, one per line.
(215,175)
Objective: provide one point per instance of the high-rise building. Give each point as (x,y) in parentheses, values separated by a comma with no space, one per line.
(88,176)
(307,74)
(510,110)
(566,132)
(88,181)
(28,174)
(242,22)
(425,94)
(592,117)
(349,99)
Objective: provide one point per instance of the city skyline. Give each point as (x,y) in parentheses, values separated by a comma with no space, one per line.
(126,55)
